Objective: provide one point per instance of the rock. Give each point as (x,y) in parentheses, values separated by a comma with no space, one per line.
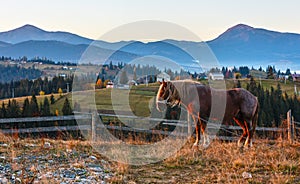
(4,145)
(18,181)
(69,174)
(247,175)
(47,145)
(30,145)
(93,157)
(3,180)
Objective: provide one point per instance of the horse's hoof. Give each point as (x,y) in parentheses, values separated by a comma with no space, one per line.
(206,145)
(195,147)
(241,149)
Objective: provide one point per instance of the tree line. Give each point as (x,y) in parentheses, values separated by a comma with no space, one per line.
(16,73)
(273,104)
(31,108)
(26,87)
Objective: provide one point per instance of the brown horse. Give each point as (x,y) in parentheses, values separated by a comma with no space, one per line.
(199,100)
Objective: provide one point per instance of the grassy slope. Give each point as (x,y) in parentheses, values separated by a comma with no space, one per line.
(141,95)
(139,99)
(40,98)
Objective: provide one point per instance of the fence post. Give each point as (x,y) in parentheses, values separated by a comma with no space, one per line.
(293,129)
(289,126)
(189,124)
(94,125)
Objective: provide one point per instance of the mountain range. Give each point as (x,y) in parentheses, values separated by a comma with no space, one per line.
(240,45)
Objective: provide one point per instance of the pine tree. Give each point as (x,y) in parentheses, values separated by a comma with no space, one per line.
(26,112)
(34,107)
(45,111)
(253,86)
(13,109)
(123,77)
(46,107)
(9,113)
(52,99)
(3,111)
(67,110)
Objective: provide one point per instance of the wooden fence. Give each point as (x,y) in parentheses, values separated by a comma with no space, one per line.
(292,129)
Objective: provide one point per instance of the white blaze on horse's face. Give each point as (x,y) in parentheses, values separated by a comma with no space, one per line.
(161,97)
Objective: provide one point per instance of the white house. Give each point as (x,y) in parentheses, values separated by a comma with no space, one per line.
(110,85)
(163,76)
(216,76)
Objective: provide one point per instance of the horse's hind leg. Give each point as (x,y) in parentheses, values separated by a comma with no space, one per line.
(249,128)
(242,125)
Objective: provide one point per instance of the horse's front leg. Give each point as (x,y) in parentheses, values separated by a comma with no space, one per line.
(197,127)
(205,135)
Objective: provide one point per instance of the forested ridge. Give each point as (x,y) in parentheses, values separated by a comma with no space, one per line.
(16,73)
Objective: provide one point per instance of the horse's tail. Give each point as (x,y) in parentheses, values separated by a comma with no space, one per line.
(255,117)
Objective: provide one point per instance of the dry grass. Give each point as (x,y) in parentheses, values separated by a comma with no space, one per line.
(221,162)
(268,162)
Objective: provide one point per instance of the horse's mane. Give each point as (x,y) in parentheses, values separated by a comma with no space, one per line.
(183,88)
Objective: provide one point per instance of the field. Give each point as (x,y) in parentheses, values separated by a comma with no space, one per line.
(267,162)
(29,160)
(72,161)
(142,96)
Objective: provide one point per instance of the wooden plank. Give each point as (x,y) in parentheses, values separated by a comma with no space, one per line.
(41,119)
(46,129)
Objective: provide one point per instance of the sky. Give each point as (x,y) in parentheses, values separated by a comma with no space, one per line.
(93,18)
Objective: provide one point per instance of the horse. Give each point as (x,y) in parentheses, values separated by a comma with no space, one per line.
(241,106)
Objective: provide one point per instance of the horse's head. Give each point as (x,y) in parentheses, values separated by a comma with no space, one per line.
(166,95)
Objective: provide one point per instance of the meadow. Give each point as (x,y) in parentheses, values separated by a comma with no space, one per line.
(268,161)
(72,161)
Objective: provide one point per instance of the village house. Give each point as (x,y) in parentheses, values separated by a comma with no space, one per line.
(163,76)
(216,76)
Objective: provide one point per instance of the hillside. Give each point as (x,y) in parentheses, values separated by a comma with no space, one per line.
(30,32)
(61,51)
(240,45)
(255,46)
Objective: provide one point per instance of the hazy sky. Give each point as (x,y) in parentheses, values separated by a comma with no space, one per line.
(206,18)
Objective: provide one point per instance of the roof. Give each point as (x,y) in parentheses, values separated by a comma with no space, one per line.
(217,74)
(163,74)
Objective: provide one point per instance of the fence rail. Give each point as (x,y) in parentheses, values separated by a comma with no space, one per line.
(93,126)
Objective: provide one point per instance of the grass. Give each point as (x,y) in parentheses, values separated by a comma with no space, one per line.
(40,98)
(139,100)
(222,163)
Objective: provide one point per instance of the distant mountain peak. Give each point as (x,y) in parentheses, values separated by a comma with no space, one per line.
(239,31)
(30,32)
(28,27)
(241,27)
